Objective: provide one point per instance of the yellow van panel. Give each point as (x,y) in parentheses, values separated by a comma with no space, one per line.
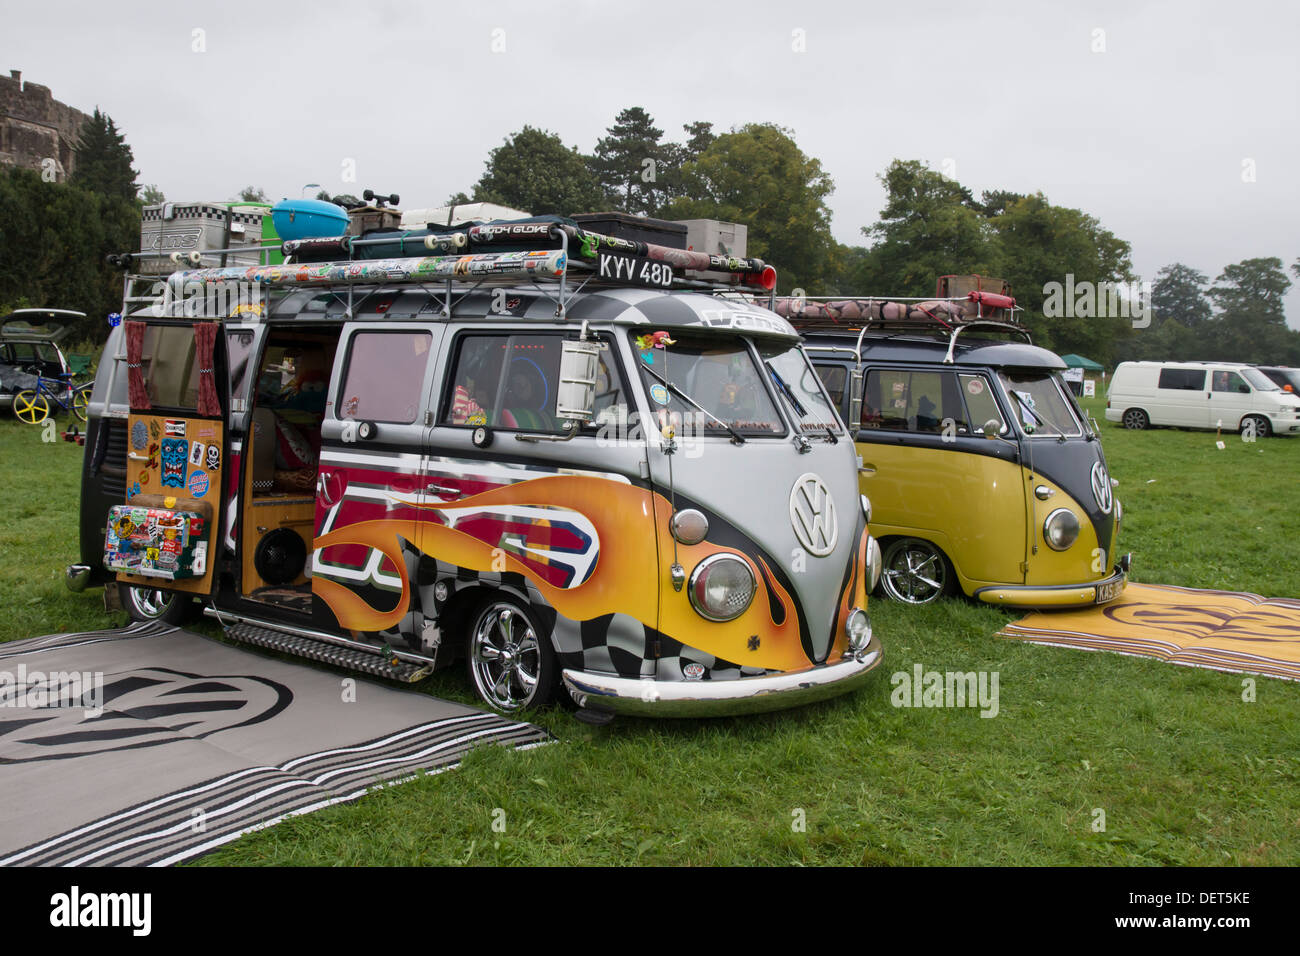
(972,506)
(1081,563)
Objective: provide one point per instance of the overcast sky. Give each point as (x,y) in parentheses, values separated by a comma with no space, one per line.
(1150,116)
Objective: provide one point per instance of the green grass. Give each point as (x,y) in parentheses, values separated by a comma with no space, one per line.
(1184,770)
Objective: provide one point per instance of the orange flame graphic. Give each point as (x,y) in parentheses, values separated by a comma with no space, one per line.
(628,577)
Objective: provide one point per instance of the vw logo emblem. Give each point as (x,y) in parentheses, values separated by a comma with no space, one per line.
(1101,489)
(812,515)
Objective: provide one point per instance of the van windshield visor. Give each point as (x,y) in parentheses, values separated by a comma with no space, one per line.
(1040,404)
(797,382)
(707,386)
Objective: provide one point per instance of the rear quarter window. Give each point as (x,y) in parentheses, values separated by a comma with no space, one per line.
(1186,379)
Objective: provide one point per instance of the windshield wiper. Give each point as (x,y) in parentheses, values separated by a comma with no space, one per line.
(1026,407)
(800,412)
(736,436)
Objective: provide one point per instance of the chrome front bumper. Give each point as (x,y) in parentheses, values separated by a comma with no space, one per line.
(1059,595)
(77,576)
(647,697)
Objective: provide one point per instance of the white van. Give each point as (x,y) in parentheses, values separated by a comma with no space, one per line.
(1201,395)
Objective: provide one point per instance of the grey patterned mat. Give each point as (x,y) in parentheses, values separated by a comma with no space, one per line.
(152,745)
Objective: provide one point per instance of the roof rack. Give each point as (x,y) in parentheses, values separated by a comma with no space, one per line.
(537,251)
(945,317)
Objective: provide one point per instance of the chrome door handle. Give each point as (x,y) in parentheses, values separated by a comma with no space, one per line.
(322,487)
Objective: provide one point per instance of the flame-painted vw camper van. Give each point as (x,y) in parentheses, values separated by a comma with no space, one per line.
(531,448)
(983,472)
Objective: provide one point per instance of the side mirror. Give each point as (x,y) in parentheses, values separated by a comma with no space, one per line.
(575,399)
(992,428)
(856,377)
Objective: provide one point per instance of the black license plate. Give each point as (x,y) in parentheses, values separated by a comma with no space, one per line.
(636,270)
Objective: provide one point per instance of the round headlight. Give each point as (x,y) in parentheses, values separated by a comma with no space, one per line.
(721,587)
(858,627)
(1061,529)
(689,526)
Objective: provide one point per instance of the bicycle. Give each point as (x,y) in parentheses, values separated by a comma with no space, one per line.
(32,405)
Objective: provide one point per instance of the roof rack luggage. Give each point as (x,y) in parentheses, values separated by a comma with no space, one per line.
(505,252)
(960,304)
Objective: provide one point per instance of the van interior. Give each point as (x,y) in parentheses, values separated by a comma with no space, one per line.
(282,455)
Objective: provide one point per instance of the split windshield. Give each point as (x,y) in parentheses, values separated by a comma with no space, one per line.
(1039,404)
(795,380)
(719,376)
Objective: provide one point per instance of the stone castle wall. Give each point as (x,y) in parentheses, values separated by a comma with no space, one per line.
(35,127)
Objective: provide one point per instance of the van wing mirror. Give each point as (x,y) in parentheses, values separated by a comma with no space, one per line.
(992,428)
(575,399)
(856,377)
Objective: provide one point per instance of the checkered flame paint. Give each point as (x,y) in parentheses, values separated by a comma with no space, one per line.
(625,574)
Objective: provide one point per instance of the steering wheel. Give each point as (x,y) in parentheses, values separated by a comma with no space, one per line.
(546,390)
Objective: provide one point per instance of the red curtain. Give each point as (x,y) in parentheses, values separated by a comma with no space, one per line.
(139,396)
(205,337)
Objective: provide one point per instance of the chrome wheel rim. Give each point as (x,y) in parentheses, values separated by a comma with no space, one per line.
(1134,419)
(150,602)
(915,573)
(507,658)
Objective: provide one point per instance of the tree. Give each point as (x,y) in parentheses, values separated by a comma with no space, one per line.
(53,242)
(457,199)
(151,195)
(252,194)
(1250,325)
(1040,245)
(1179,294)
(758,176)
(930,226)
(626,162)
(994,202)
(674,180)
(103,160)
(535,171)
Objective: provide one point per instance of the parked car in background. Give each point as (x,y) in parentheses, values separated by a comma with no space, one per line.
(1287,379)
(29,344)
(1227,395)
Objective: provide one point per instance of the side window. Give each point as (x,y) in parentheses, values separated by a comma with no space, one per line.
(384,381)
(1225,381)
(833,377)
(1187,379)
(506,381)
(914,401)
(509,380)
(239,347)
(980,403)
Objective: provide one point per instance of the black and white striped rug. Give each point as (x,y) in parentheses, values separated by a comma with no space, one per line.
(150,745)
